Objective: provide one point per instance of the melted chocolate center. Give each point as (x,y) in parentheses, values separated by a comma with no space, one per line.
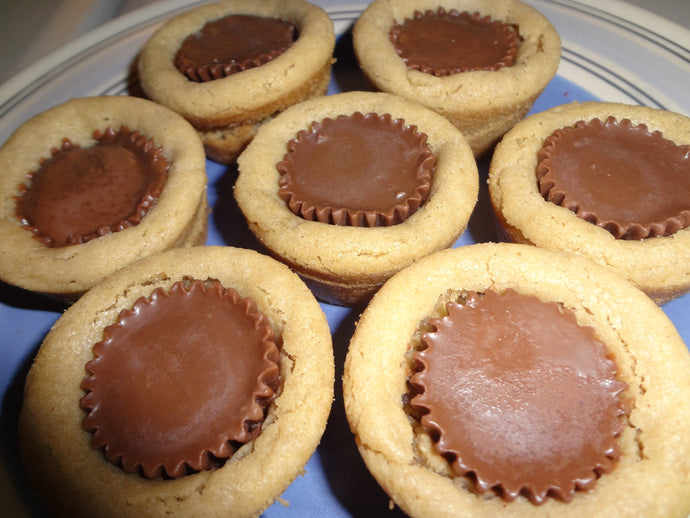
(633,183)
(359,170)
(444,43)
(79,194)
(180,379)
(231,44)
(518,395)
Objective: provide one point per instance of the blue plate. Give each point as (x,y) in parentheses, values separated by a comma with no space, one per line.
(607,55)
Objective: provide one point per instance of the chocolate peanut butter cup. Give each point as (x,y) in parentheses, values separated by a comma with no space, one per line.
(622,177)
(444,42)
(81,193)
(232,44)
(358,170)
(518,396)
(180,380)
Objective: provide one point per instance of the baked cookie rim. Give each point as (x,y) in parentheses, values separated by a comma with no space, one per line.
(307,360)
(164,83)
(369,251)
(517,84)
(374,380)
(165,224)
(648,263)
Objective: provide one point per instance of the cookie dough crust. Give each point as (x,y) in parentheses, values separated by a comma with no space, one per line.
(178,219)
(483,105)
(249,96)
(79,481)
(659,266)
(346,264)
(652,476)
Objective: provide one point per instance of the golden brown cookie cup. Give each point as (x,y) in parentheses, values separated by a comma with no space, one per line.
(76,480)
(482,104)
(659,266)
(178,219)
(342,264)
(228,111)
(653,474)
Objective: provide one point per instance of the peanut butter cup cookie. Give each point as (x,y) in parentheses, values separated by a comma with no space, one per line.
(93,184)
(480,64)
(230,65)
(507,380)
(350,188)
(196,382)
(604,180)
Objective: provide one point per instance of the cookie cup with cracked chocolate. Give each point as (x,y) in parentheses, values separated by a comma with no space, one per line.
(178,218)
(649,355)
(659,266)
(77,480)
(347,264)
(483,104)
(227,111)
